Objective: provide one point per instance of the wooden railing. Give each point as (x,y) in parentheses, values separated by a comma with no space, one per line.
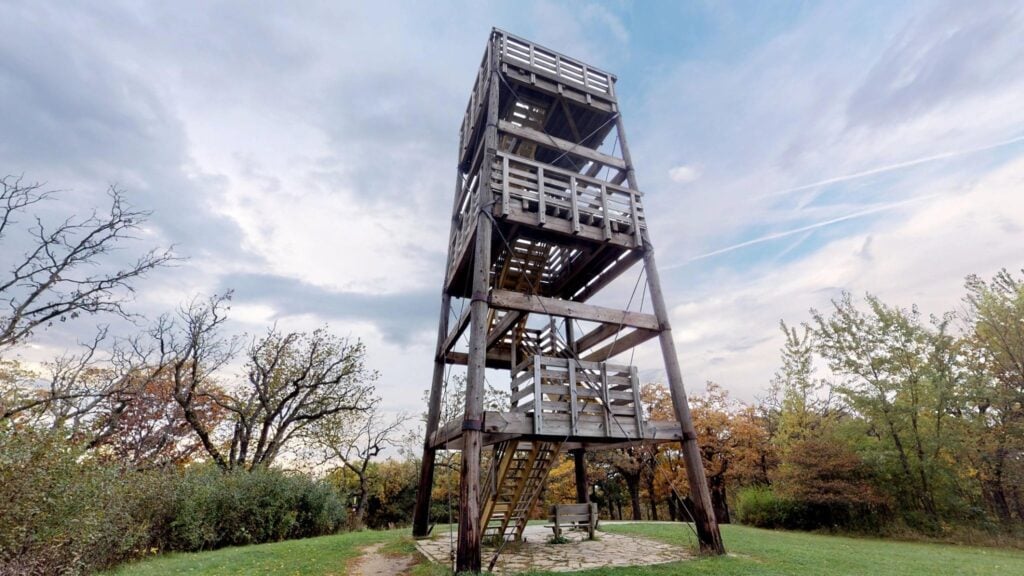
(477,99)
(582,200)
(534,59)
(466,223)
(597,397)
(520,52)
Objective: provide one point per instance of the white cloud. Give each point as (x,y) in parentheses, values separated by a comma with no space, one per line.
(918,255)
(683,174)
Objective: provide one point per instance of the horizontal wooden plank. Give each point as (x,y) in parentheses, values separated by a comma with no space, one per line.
(586,185)
(596,336)
(573,508)
(567,517)
(619,346)
(562,226)
(509,300)
(495,359)
(500,426)
(585,365)
(454,335)
(549,141)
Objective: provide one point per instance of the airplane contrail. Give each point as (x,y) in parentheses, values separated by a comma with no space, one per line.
(896,166)
(783,234)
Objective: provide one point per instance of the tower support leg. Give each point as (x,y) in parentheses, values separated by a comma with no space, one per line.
(703,513)
(467,558)
(707,526)
(421,512)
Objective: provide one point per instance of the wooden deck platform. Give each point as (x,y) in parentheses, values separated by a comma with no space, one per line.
(591,431)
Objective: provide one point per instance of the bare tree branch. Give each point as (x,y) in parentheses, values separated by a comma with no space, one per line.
(56,278)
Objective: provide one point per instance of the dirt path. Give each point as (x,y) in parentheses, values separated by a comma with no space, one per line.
(373,563)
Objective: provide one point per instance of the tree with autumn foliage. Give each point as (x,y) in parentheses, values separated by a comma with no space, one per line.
(151,429)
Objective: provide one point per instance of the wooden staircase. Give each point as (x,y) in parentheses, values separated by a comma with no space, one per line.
(513,486)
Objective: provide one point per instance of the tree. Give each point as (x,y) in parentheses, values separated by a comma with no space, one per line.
(994,346)
(58,272)
(67,269)
(830,481)
(799,408)
(898,378)
(191,350)
(355,439)
(151,430)
(293,380)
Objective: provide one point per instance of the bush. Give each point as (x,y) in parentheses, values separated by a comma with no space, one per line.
(64,512)
(211,509)
(759,506)
(762,507)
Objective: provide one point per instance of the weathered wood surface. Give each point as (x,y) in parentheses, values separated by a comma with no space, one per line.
(564,146)
(508,300)
(500,426)
(574,516)
(621,344)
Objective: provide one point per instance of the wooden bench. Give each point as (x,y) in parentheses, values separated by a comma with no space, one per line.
(574,516)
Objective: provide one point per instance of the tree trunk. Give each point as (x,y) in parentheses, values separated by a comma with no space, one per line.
(718,499)
(633,486)
(364,494)
(651,496)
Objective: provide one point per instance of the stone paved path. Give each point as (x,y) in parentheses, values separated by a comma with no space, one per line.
(577,554)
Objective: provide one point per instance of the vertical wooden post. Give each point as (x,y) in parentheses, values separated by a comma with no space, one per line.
(704,517)
(504,186)
(421,512)
(538,396)
(467,557)
(605,216)
(573,202)
(579,460)
(542,208)
(607,411)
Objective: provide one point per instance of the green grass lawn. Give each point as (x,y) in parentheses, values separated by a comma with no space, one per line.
(751,551)
(770,553)
(323,556)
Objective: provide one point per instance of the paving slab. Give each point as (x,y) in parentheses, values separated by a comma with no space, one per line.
(535,552)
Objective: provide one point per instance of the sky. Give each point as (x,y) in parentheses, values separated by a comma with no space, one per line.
(303,154)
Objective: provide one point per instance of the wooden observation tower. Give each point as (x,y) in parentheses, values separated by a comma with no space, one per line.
(545,216)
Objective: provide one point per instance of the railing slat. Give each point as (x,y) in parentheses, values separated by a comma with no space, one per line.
(638,240)
(604,212)
(575,205)
(504,186)
(604,395)
(573,416)
(638,408)
(541,204)
(538,412)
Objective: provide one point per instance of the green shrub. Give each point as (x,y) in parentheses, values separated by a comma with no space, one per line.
(759,506)
(211,509)
(62,512)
